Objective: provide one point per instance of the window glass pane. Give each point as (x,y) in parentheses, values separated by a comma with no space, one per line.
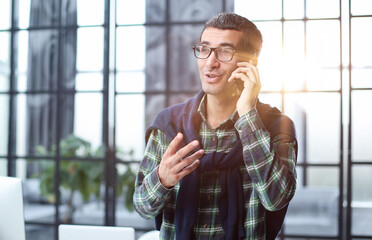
(361,38)
(130,129)
(130,82)
(156,61)
(21,168)
(82,181)
(21,110)
(90,12)
(259,9)
(362,177)
(323,44)
(5,14)
(155,11)
(88,118)
(194,10)
(313,210)
(294,40)
(294,56)
(3,167)
(39,194)
(361,125)
(322,9)
(130,12)
(69,12)
(317,121)
(37,123)
(362,200)
(300,176)
(90,49)
(22,82)
(293,9)
(130,51)
(4,82)
(22,55)
(323,177)
(125,216)
(44,14)
(184,73)
(274,99)
(270,63)
(361,78)
(38,13)
(269,80)
(297,112)
(323,79)
(89,82)
(4,124)
(4,59)
(361,7)
(24,13)
(38,59)
(154,103)
(68,51)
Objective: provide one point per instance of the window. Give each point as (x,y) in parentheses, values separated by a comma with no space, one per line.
(81,80)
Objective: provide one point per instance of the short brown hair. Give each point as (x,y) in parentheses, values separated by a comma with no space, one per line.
(252,42)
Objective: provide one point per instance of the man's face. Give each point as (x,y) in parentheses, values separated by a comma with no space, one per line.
(214,73)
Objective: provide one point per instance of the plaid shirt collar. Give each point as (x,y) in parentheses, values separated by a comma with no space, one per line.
(227,123)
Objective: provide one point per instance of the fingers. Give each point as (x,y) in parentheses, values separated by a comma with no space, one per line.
(181,153)
(189,169)
(175,163)
(249,69)
(175,154)
(188,161)
(246,71)
(249,74)
(174,144)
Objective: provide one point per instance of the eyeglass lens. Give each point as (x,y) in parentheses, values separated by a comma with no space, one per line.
(222,54)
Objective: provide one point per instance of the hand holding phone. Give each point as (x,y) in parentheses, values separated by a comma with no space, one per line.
(247,80)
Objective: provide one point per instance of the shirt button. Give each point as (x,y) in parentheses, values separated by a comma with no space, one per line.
(213,139)
(205,225)
(209,197)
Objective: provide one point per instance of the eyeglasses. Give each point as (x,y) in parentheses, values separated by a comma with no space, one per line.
(223,54)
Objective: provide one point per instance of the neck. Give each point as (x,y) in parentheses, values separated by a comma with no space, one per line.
(219,110)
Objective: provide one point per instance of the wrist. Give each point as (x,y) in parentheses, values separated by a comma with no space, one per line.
(245,110)
(162,180)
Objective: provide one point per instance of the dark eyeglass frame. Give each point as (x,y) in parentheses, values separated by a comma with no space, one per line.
(197,49)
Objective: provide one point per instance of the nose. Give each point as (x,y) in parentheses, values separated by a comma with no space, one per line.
(212,61)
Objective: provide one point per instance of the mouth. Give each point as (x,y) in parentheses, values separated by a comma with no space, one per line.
(212,77)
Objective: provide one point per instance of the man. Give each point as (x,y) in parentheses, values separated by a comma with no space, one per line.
(221,165)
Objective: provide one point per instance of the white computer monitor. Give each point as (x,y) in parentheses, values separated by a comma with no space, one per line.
(86,232)
(12,224)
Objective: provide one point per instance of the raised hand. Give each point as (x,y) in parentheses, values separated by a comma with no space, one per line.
(175,163)
(248,73)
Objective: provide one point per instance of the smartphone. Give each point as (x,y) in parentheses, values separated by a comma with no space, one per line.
(239,84)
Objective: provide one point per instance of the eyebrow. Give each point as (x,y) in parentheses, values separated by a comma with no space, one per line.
(224,44)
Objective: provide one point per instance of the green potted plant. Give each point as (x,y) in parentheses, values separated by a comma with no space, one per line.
(84,176)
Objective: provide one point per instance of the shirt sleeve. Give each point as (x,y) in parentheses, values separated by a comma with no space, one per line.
(150,195)
(270,162)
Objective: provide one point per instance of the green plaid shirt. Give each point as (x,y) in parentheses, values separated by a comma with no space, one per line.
(270,162)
